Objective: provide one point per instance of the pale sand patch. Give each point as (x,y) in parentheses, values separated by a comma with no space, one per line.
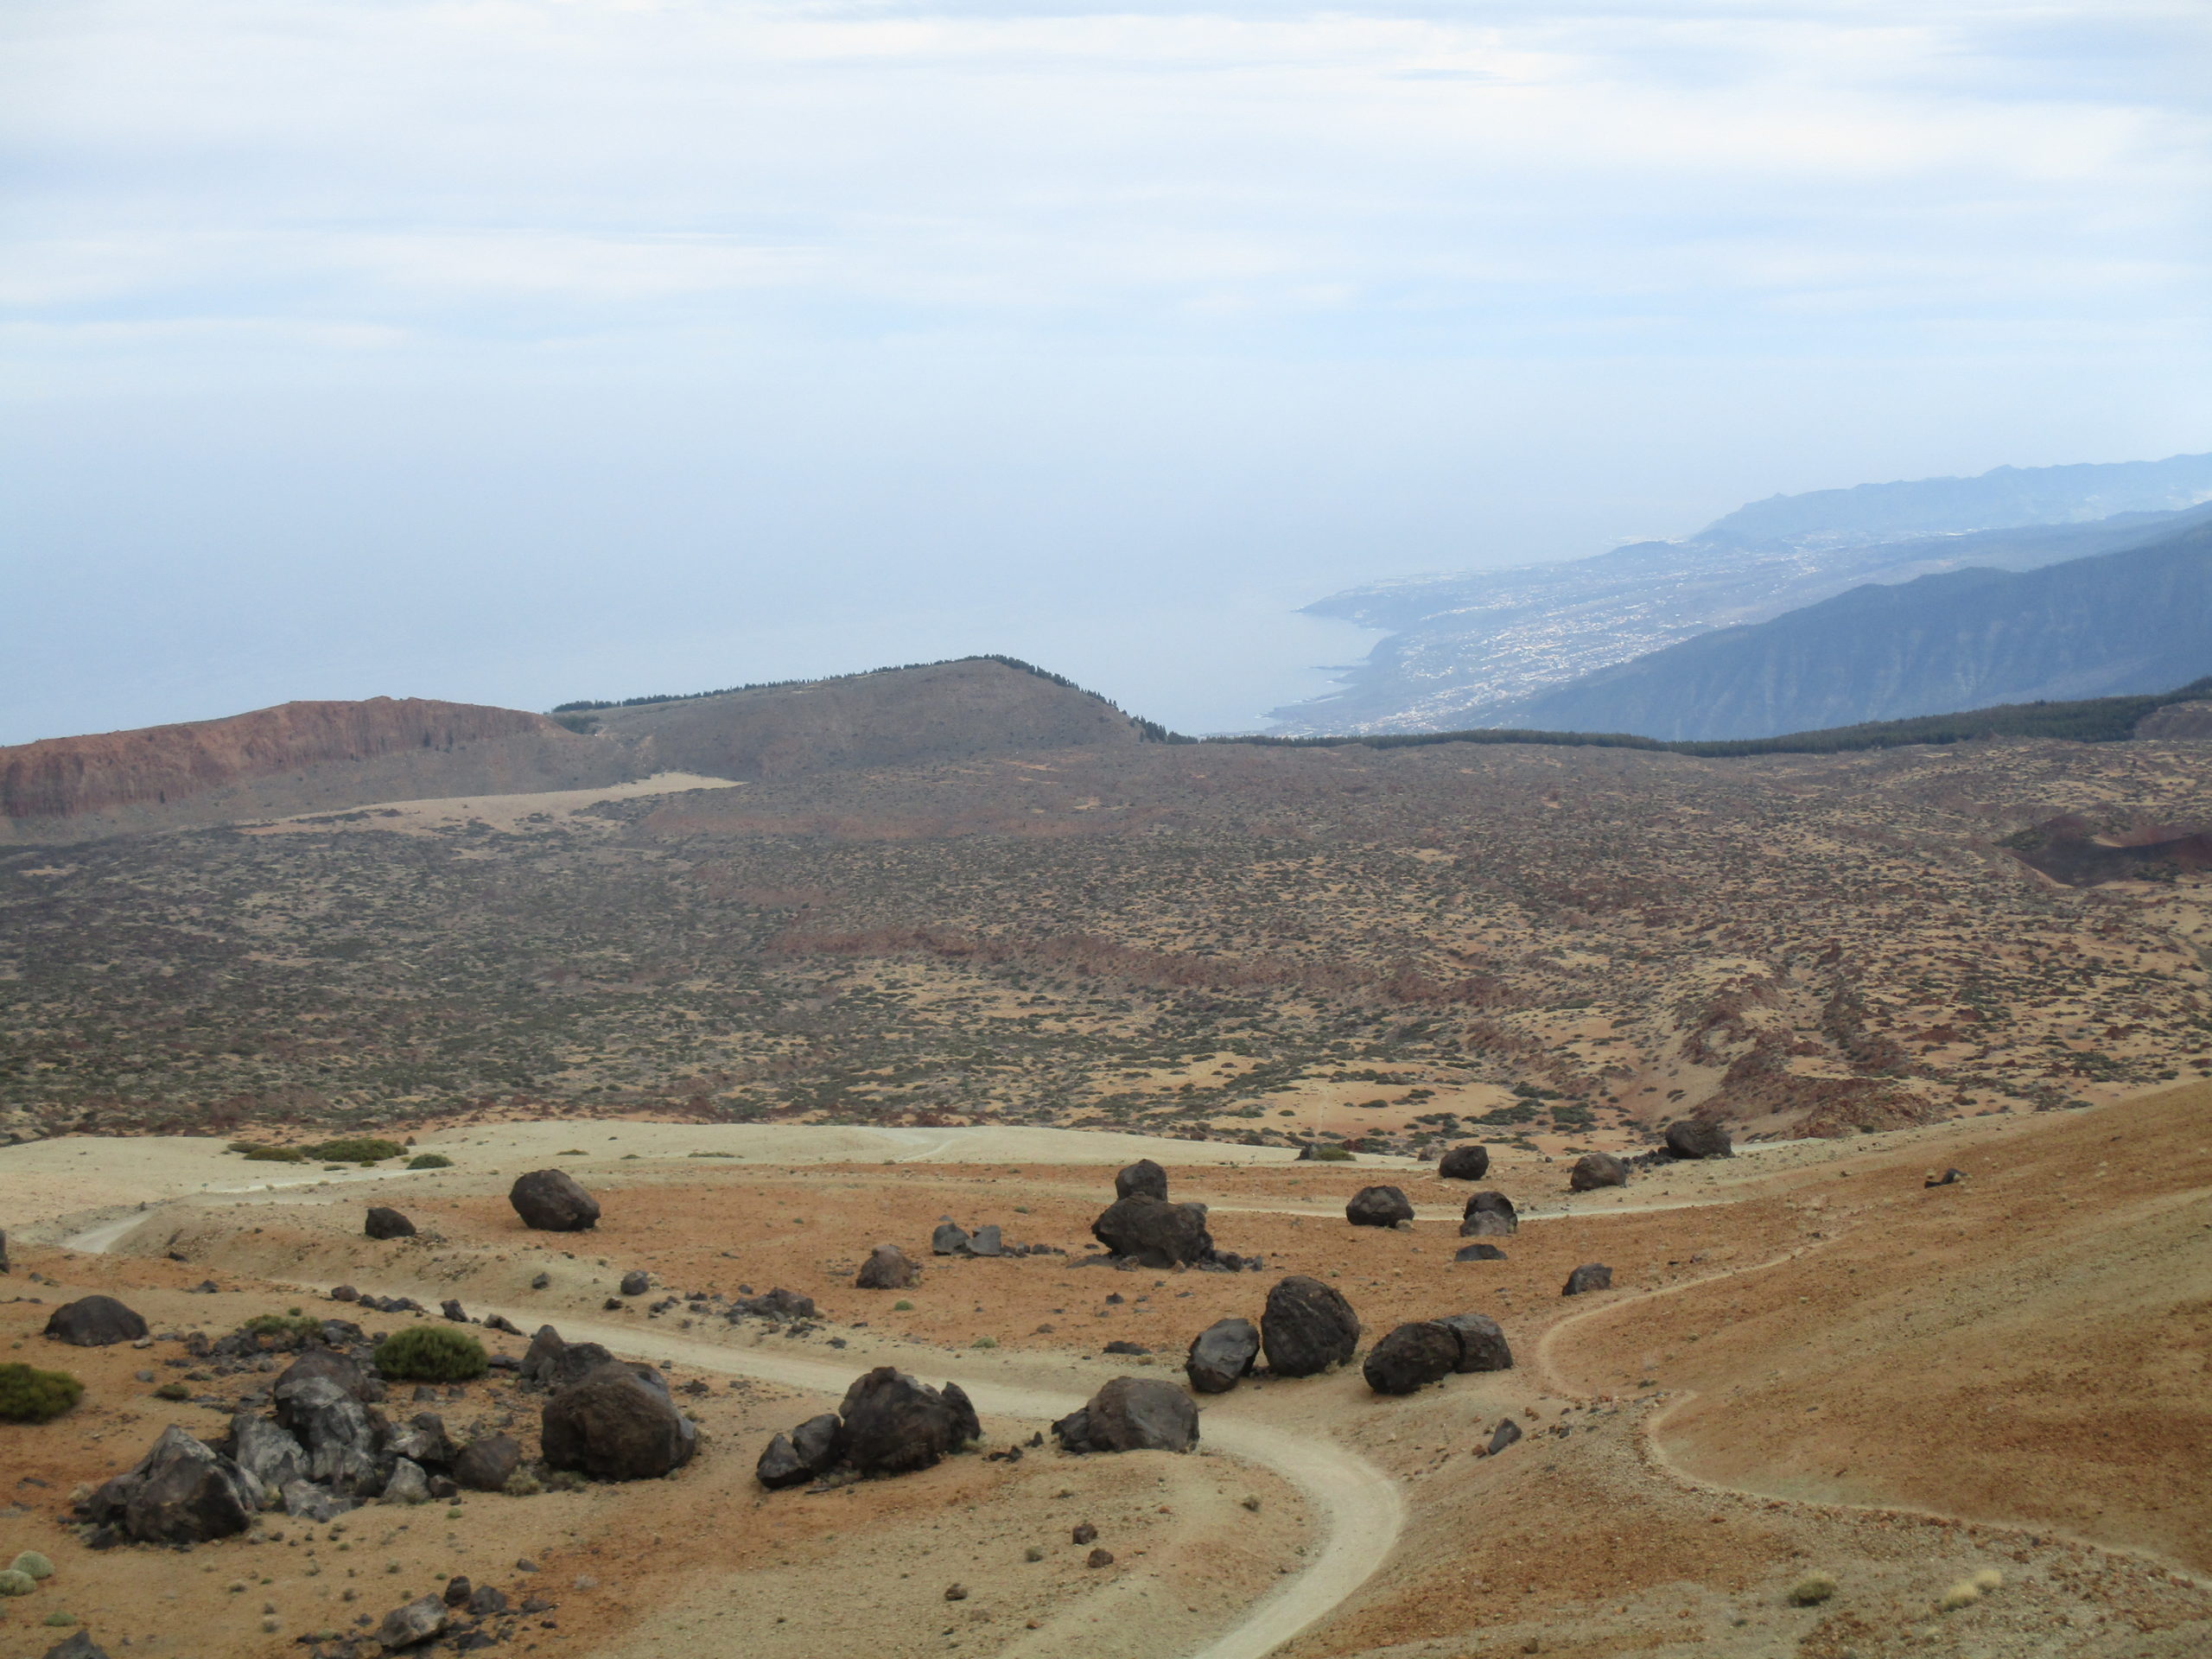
(508,812)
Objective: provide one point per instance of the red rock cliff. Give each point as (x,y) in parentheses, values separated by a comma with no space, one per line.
(68,777)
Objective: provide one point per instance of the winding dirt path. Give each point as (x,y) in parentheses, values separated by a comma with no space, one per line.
(1359,1510)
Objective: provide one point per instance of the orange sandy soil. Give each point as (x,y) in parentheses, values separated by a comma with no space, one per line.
(1822,1364)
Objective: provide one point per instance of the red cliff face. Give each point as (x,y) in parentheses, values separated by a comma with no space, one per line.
(68,777)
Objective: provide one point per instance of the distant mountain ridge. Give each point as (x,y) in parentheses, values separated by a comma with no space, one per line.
(1464,650)
(2131,621)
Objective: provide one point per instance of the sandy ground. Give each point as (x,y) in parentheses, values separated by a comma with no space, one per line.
(1809,1360)
(505,812)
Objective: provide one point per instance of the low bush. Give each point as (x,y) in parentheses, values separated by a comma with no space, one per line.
(429,1161)
(291,1327)
(357,1149)
(28,1395)
(272,1155)
(430,1353)
(1331,1155)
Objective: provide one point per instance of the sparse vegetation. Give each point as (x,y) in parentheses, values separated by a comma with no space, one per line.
(357,1149)
(430,1353)
(429,1161)
(1812,1590)
(30,1396)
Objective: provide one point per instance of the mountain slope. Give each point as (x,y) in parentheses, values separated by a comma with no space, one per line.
(895,716)
(1462,646)
(297,757)
(2133,621)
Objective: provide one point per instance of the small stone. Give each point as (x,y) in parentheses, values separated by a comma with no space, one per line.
(956,1592)
(1099,1558)
(1084,1533)
(1032,1553)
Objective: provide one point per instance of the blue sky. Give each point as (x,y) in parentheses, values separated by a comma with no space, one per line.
(515,351)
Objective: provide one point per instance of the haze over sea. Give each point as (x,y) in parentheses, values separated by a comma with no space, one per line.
(523,351)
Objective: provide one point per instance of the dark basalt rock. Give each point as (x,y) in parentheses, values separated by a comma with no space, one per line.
(551,1201)
(1411,1356)
(1591,1275)
(386,1223)
(486,1464)
(1307,1328)
(1507,1431)
(808,1451)
(987,1241)
(887,1269)
(181,1493)
(1947,1178)
(1143,1177)
(94,1322)
(1596,1169)
(1488,1215)
(1483,1346)
(617,1423)
(636,1282)
(1697,1137)
(893,1424)
(553,1363)
(340,1437)
(266,1451)
(1379,1206)
(1132,1414)
(1480,1253)
(950,1238)
(77,1645)
(778,1303)
(1468,1163)
(1154,1233)
(1221,1354)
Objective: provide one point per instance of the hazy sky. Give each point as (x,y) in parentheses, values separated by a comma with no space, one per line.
(522,350)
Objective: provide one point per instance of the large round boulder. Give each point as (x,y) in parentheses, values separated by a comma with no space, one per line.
(1483,1346)
(94,1322)
(1467,1163)
(1152,1232)
(887,1268)
(1695,1137)
(1142,1176)
(618,1424)
(181,1493)
(1488,1215)
(1379,1206)
(386,1223)
(1596,1169)
(893,1423)
(1307,1328)
(1411,1356)
(1590,1275)
(1221,1354)
(1132,1414)
(551,1201)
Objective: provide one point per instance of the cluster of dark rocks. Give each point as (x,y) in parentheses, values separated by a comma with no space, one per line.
(605,1418)
(378,1304)
(1131,1414)
(889,1423)
(467,1616)
(1142,1229)
(1688,1141)
(952,1239)
(1306,1328)
(1423,1351)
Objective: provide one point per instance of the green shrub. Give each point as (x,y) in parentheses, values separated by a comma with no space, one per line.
(34,1396)
(430,1353)
(13,1583)
(1331,1155)
(292,1327)
(173,1391)
(357,1149)
(429,1161)
(270,1154)
(32,1562)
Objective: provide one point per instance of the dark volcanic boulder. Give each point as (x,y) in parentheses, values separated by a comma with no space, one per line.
(1221,1353)
(950,1239)
(807,1451)
(1379,1206)
(1307,1328)
(967,1427)
(619,1424)
(94,1322)
(1591,1275)
(1482,1344)
(987,1239)
(340,1437)
(1468,1163)
(1478,1253)
(1132,1414)
(487,1463)
(1488,1215)
(550,1362)
(1506,1432)
(1143,1177)
(386,1223)
(1153,1232)
(894,1424)
(1695,1137)
(551,1201)
(77,1645)
(636,1282)
(1946,1179)
(182,1492)
(1596,1169)
(346,1371)
(266,1451)
(1411,1356)
(887,1269)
